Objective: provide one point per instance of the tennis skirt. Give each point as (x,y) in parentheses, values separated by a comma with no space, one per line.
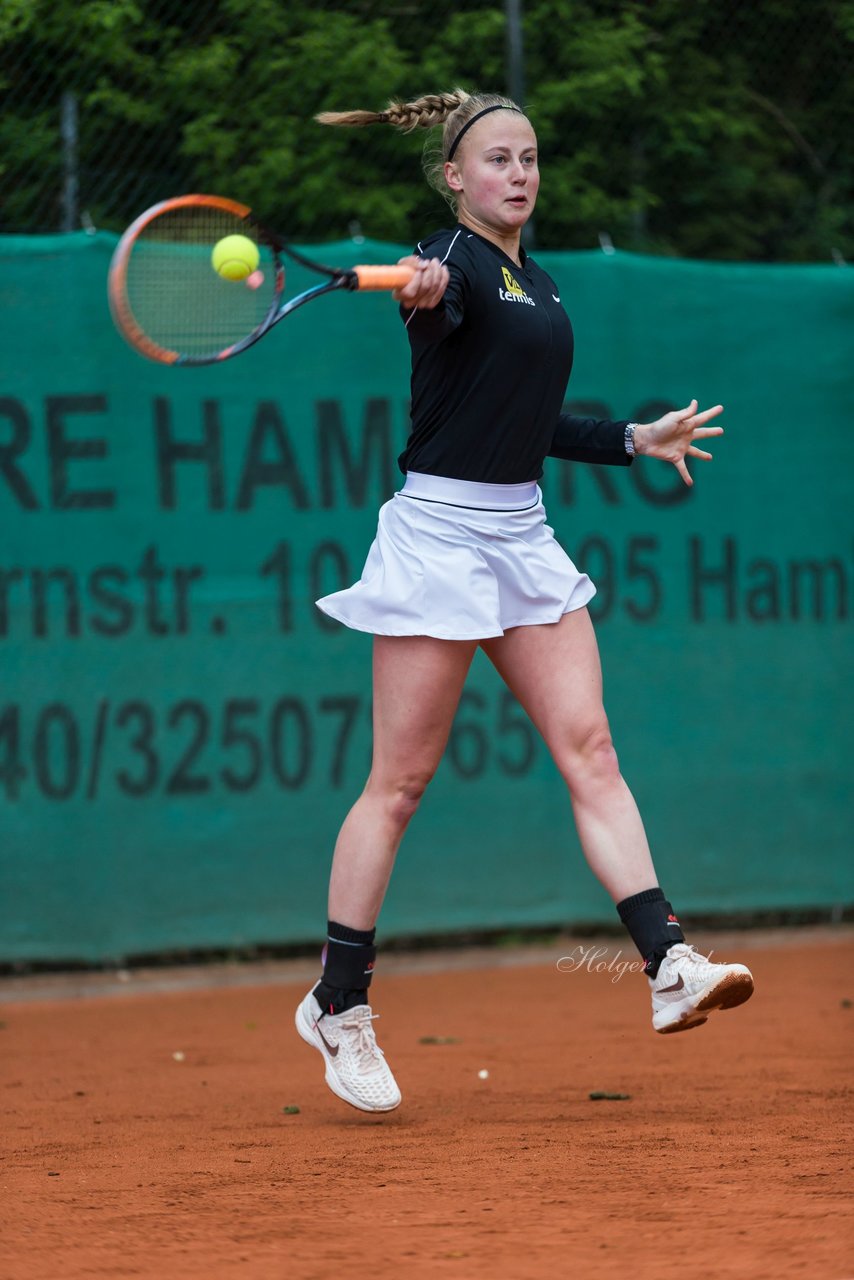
(461,561)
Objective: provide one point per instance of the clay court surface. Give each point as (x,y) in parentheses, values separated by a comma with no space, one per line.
(730,1158)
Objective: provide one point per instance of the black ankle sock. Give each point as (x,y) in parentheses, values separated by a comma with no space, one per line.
(350,957)
(653,926)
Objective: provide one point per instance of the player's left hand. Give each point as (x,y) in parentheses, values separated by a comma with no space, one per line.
(672,437)
(427,286)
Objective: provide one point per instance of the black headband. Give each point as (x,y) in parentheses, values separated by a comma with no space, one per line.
(499,106)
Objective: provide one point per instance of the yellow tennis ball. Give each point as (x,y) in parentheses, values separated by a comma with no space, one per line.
(235,257)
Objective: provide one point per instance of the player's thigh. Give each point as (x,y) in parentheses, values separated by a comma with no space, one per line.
(555,672)
(417,686)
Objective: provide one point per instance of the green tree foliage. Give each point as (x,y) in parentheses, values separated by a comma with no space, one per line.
(711,129)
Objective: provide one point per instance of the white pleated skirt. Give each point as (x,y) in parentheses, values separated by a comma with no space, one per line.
(461,561)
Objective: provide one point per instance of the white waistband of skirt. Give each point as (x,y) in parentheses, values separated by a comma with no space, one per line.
(471,493)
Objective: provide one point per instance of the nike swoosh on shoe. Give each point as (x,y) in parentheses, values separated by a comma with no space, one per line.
(333,1048)
(677,986)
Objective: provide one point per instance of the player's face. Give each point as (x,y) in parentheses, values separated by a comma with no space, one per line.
(495,174)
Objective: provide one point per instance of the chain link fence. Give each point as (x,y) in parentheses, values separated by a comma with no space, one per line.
(713,129)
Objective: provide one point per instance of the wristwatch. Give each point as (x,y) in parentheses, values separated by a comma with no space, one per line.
(629,439)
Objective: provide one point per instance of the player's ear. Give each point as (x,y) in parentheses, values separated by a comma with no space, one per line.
(453,177)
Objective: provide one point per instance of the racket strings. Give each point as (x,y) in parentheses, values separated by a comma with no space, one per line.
(176,296)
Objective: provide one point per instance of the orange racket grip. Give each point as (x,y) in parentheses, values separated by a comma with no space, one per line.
(383,277)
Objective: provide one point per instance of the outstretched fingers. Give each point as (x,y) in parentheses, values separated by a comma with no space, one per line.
(673,438)
(682,468)
(703,433)
(700,419)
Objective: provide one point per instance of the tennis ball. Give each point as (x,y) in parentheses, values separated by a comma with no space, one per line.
(235,257)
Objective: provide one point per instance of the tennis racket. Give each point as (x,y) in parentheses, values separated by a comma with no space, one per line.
(171,305)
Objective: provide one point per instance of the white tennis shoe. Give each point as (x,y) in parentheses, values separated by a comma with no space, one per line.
(688,987)
(356,1069)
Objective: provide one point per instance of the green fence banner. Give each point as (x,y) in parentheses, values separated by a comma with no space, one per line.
(182,731)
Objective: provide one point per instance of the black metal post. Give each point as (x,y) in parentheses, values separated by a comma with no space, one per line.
(70,183)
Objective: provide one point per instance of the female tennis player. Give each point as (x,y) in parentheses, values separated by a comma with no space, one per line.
(463,558)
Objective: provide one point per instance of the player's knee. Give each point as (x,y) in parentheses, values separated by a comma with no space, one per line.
(404,795)
(591,757)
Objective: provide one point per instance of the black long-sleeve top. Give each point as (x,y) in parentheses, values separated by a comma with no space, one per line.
(490,367)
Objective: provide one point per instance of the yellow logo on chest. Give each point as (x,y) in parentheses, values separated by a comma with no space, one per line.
(513,291)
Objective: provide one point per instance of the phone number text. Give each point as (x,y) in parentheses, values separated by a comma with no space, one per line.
(191,749)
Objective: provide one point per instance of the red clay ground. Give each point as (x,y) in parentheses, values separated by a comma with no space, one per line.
(729,1160)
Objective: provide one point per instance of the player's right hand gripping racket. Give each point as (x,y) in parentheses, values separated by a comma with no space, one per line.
(171,305)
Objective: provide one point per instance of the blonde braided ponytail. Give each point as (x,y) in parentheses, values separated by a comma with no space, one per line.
(453,110)
(421,113)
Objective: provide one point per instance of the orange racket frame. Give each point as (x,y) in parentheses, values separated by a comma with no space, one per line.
(362,278)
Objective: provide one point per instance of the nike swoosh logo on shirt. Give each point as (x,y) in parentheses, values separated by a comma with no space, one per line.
(556,299)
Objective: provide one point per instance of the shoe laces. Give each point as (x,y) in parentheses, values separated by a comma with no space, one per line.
(685,951)
(367,1051)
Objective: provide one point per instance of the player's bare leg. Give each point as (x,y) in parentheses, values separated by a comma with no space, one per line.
(417,686)
(555,673)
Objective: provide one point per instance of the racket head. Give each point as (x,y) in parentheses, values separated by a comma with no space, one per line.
(167,299)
